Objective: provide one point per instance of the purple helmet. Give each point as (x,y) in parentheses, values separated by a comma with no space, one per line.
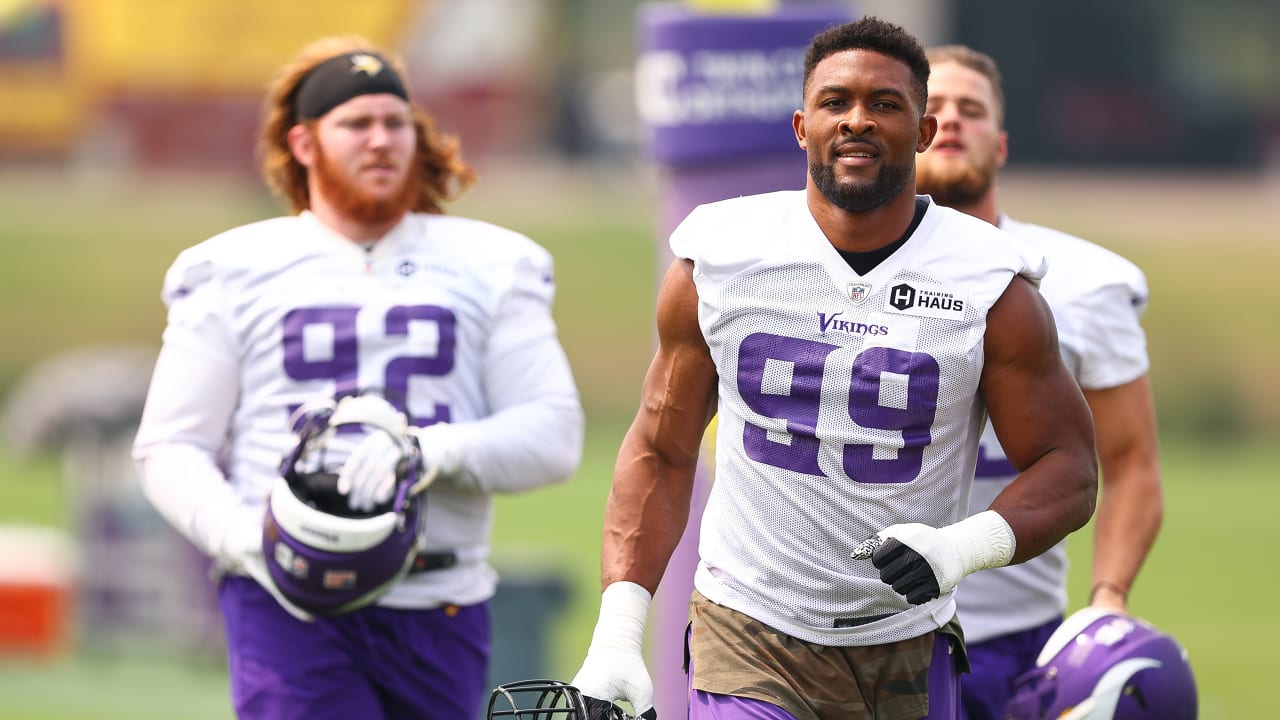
(323,556)
(1103,665)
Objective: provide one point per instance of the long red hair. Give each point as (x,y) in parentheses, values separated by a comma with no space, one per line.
(444,174)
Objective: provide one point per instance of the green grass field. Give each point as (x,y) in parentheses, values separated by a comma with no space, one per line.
(1218,525)
(85,257)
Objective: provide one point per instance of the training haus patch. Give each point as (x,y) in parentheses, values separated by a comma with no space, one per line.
(926,300)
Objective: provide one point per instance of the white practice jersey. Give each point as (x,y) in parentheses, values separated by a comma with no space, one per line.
(847,403)
(1098,299)
(452,315)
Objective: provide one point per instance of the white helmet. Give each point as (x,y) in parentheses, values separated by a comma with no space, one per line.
(323,556)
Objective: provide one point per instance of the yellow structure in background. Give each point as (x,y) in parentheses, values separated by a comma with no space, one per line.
(60,58)
(734,6)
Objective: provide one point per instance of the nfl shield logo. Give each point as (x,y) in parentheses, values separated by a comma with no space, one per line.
(858,291)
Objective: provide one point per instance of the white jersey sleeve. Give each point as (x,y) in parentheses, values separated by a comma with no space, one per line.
(1110,348)
(1097,298)
(847,403)
(194,389)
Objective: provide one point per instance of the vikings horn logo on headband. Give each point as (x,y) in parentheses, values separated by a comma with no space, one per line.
(343,77)
(365,63)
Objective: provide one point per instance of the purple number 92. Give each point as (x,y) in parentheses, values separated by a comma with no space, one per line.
(342,362)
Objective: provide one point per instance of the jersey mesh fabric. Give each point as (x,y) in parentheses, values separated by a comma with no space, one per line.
(837,417)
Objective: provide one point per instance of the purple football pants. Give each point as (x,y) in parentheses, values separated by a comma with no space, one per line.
(944,695)
(375,663)
(996,663)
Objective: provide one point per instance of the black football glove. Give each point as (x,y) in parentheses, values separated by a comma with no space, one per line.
(906,571)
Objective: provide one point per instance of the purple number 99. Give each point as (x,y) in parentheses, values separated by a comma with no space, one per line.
(894,390)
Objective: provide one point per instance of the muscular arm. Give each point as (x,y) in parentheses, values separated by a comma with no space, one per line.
(1131,506)
(1042,421)
(653,478)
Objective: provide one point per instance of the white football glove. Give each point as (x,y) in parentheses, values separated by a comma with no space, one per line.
(923,562)
(614,668)
(241,553)
(368,478)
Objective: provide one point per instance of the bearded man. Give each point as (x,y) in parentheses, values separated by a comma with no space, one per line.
(281,326)
(1098,299)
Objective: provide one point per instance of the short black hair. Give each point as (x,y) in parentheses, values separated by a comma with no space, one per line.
(871,33)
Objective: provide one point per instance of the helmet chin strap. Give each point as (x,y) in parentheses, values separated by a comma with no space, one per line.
(428,473)
(311,412)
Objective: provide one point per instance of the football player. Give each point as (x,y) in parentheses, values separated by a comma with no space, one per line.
(1098,299)
(366,284)
(851,338)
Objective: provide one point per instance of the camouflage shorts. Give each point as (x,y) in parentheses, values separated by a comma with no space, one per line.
(733,654)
